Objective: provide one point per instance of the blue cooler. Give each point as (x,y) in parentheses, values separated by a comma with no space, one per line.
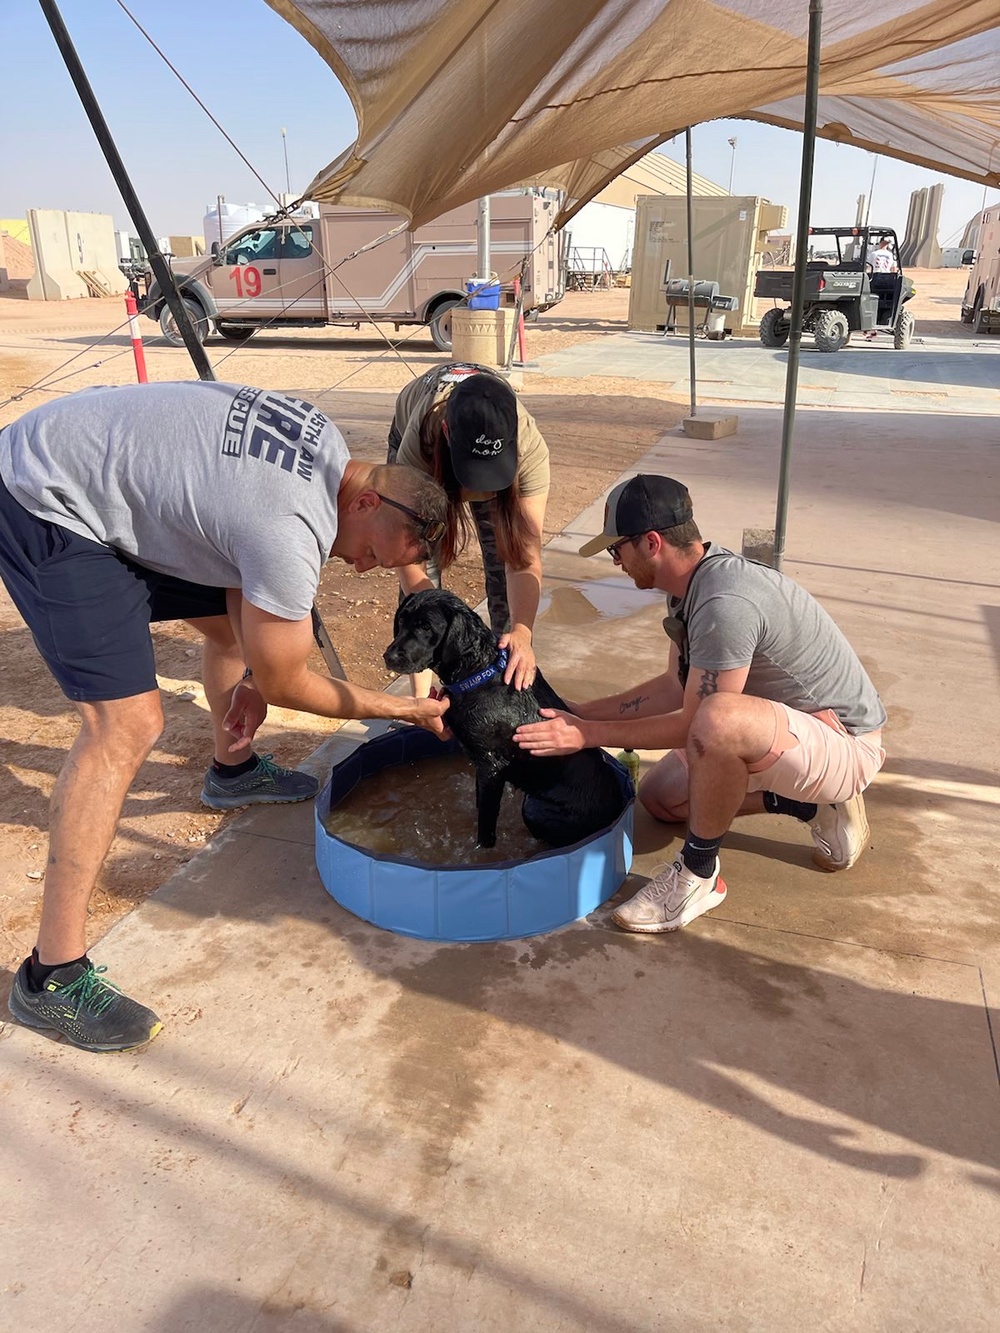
(487,294)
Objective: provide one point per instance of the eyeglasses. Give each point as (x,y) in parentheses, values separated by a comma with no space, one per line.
(431,529)
(614,550)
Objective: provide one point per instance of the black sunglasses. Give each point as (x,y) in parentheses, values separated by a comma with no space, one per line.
(431,529)
(614,550)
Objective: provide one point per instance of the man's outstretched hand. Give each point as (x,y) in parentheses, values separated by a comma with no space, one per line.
(428,713)
(559,734)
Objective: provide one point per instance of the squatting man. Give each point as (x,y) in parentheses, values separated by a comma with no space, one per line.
(764,705)
(217,504)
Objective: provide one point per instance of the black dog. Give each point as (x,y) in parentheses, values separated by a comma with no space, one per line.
(566,798)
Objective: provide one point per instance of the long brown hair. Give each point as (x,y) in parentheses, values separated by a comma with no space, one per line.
(509,523)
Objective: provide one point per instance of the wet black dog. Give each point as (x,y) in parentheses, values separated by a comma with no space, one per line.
(566,799)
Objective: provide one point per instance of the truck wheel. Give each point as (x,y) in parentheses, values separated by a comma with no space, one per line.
(903,332)
(832,330)
(774,329)
(168,325)
(980,324)
(235,333)
(440,325)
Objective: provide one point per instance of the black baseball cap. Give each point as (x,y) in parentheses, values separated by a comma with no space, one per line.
(481,413)
(646,503)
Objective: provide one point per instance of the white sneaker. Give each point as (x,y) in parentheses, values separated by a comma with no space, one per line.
(671,900)
(840,833)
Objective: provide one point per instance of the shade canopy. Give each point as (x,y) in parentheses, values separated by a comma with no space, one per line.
(456,99)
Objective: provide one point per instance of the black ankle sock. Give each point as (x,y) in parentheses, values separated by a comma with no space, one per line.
(700,854)
(783,805)
(234,770)
(39,973)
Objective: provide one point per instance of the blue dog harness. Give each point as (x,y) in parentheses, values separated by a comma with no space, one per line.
(481,677)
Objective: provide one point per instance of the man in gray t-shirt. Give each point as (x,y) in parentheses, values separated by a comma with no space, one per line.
(764,706)
(213,503)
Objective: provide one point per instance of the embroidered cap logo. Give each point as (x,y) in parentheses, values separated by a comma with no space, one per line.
(486,448)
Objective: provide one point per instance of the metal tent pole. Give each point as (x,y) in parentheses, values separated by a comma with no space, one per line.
(798,281)
(690,231)
(100,126)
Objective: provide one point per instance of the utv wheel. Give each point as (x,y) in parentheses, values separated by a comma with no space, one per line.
(832,330)
(236,333)
(440,325)
(774,329)
(903,332)
(168,325)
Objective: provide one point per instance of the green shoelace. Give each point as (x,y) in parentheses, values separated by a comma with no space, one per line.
(90,992)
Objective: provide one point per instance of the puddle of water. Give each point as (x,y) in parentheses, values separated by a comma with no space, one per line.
(426,811)
(596,599)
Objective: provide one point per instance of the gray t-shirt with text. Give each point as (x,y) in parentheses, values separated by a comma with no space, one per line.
(739,613)
(220,484)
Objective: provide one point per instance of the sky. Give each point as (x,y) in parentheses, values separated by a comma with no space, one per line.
(237,55)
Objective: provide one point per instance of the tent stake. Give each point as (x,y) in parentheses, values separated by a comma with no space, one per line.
(798,281)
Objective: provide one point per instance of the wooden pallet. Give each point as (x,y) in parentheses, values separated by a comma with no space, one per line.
(95,283)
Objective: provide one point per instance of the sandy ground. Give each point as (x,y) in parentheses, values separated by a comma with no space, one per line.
(595,429)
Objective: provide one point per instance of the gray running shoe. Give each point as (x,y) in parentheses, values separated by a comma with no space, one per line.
(267,784)
(88,1011)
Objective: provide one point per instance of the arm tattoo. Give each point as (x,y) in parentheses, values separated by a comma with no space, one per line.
(709,684)
(633,705)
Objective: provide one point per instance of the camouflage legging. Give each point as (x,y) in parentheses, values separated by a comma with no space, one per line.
(493,567)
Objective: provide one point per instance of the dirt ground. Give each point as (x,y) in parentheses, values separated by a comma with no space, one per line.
(595,428)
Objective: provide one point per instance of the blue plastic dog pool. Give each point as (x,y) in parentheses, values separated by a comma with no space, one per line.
(505,900)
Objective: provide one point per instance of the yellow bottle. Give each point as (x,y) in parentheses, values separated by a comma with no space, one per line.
(631,761)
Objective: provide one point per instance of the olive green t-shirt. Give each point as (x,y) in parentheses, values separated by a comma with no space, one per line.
(421,394)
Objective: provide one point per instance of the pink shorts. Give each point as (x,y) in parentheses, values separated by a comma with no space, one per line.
(813,758)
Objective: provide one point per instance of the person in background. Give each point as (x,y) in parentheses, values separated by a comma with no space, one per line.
(464,426)
(883,260)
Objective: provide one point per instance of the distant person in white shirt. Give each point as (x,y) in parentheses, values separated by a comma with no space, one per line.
(883,260)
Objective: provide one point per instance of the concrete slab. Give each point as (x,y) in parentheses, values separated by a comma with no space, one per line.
(934,376)
(784,1117)
(711,425)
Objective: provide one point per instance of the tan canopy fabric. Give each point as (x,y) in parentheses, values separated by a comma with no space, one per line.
(458,98)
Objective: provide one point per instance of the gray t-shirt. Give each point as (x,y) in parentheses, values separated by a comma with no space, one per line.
(739,613)
(220,484)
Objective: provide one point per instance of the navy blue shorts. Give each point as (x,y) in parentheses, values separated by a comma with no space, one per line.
(89,607)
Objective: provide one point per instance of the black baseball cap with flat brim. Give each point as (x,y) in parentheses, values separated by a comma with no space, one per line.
(481,414)
(646,503)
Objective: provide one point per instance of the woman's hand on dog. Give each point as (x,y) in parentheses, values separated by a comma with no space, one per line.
(521,667)
(559,734)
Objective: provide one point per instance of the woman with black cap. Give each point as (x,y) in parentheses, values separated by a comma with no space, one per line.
(464,426)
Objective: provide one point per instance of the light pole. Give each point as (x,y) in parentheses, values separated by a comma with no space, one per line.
(871,188)
(732,164)
(284,145)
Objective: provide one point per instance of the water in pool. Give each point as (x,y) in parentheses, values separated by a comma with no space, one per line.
(426,811)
